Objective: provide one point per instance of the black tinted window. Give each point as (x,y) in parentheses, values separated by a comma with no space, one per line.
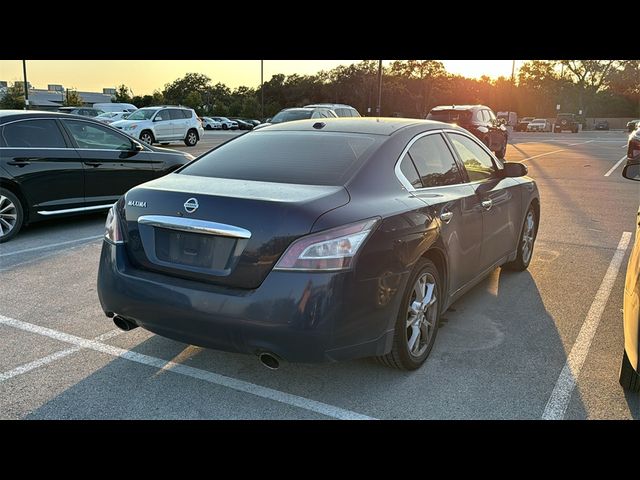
(33,133)
(409,171)
(186,113)
(434,162)
(288,116)
(162,116)
(477,162)
(308,158)
(450,116)
(175,114)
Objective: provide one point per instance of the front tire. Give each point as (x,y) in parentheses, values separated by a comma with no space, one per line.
(191,139)
(224,126)
(525,242)
(147,137)
(629,378)
(417,321)
(11,215)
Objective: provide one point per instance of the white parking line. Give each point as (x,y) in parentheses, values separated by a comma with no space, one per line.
(581,143)
(51,245)
(214,378)
(543,154)
(559,399)
(612,169)
(27,367)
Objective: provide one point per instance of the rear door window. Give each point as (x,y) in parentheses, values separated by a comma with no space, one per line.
(434,161)
(307,158)
(175,114)
(33,133)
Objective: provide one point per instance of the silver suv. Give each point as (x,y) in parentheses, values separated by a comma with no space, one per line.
(163,125)
(340,109)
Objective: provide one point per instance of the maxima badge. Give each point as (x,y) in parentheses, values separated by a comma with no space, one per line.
(191,205)
(136,203)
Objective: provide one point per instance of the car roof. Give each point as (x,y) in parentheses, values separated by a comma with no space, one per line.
(302,109)
(365,125)
(458,107)
(329,105)
(7,116)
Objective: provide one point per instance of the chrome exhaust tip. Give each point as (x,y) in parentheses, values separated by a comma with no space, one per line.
(124,324)
(269,360)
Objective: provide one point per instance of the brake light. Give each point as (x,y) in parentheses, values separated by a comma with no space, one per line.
(330,250)
(112,231)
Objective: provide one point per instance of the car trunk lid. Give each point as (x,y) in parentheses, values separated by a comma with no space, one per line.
(223,231)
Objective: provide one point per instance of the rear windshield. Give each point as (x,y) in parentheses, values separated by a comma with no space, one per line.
(450,116)
(306,158)
(291,115)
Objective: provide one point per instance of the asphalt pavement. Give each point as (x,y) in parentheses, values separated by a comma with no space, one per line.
(542,343)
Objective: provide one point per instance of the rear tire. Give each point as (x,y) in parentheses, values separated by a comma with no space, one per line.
(11,215)
(629,378)
(417,321)
(526,242)
(191,139)
(224,126)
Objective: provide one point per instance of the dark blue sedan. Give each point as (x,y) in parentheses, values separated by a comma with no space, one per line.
(318,240)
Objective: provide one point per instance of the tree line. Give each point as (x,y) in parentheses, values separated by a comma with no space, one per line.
(599,88)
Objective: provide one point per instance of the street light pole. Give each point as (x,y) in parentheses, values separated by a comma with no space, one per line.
(378,108)
(261,89)
(513,82)
(26,85)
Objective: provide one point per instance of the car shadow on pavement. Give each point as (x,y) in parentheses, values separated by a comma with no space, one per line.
(497,356)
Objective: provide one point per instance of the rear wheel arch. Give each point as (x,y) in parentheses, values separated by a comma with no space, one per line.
(17,191)
(439,259)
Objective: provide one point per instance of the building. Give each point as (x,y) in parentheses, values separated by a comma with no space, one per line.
(53,97)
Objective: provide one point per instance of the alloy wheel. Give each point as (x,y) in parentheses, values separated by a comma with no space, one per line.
(146,138)
(422,314)
(8,216)
(527,236)
(192,138)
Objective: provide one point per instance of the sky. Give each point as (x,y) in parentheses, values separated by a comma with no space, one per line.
(145,76)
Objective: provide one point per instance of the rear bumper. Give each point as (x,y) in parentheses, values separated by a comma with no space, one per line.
(299,316)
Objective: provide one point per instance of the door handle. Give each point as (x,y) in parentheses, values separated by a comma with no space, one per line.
(486,204)
(93,164)
(446,216)
(19,163)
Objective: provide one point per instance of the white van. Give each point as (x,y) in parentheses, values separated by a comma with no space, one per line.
(115,107)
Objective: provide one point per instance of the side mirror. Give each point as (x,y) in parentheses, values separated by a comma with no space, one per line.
(267,120)
(514,169)
(632,171)
(137,147)
(157,118)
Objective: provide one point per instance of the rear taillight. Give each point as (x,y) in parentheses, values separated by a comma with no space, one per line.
(330,250)
(112,231)
(634,145)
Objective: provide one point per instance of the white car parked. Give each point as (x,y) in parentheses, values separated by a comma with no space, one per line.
(163,125)
(539,125)
(226,123)
(210,124)
(110,117)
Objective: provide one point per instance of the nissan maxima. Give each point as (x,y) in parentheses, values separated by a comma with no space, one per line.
(318,240)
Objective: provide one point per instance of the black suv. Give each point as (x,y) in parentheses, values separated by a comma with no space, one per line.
(479,120)
(56,164)
(566,121)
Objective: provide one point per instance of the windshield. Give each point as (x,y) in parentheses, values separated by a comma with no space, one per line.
(290,115)
(539,120)
(142,114)
(450,116)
